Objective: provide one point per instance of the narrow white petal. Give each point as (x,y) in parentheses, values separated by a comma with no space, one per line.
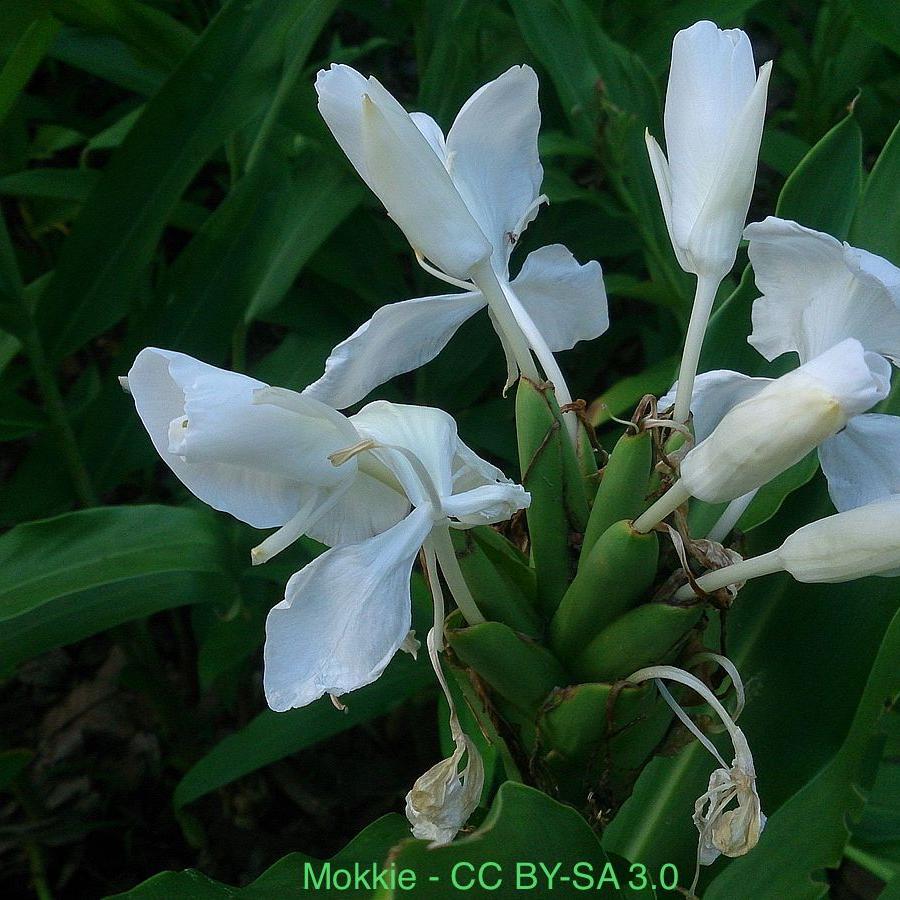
(343,617)
(862,462)
(488,504)
(565,300)
(493,153)
(399,338)
(660,167)
(432,133)
(236,456)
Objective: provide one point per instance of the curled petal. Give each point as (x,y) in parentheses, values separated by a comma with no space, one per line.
(343,617)
(566,301)
(817,292)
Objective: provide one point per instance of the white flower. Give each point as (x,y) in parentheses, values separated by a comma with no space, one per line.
(724,828)
(854,544)
(462,201)
(779,422)
(715,105)
(817,292)
(376,487)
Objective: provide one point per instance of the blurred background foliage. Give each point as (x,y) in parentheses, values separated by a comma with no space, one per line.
(166,180)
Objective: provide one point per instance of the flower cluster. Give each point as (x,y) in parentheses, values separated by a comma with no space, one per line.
(381,485)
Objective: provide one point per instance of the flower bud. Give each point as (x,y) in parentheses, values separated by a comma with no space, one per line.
(766,434)
(853,544)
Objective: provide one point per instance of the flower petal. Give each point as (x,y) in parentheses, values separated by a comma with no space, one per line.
(711,78)
(487,504)
(399,338)
(397,162)
(259,463)
(715,394)
(430,434)
(862,462)
(660,166)
(493,157)
(343,617)
(817,292)
(566,301)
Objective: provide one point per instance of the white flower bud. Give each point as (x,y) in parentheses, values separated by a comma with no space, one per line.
(853,544)
(761,437)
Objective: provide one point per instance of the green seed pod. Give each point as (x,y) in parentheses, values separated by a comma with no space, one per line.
(517,668)
(615,576)
(508,560)
(498,596)
(623,487)
(592,735)
(647,635)
(558,503)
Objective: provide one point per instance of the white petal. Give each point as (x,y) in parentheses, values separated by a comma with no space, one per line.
(710,81)
(397,162)
(430,434)
(816,292)
(717,230)
(399,338)
(715,394)
(487,504)
(236,456)
(493,155)
(862,462)
(660,167)
(471,471)
(368,508)
(432,133)
(343,617)
(566,301)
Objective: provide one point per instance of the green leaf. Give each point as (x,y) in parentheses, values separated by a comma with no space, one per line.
(65,578)
(223,82)
(876,226)
(12,764)
(822,192)
(285,878)
(161,40)
(880,20)
(272,736)
(809,832)
(24,59)
(524,829)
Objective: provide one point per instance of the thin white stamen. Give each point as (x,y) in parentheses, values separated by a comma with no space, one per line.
(456,581)
(433,270)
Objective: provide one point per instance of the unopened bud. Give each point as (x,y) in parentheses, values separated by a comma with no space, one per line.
(765,435)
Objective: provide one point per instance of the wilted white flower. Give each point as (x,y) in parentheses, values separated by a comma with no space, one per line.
(728,815)
(462,201)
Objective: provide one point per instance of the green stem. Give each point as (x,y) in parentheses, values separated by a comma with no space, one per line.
(55,408)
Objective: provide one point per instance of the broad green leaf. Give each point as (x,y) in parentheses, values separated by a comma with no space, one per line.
(769,498)
(822,192)
(624,395)
(809,832)
(876,226)
(880,20)
(284,879)
(272,736)
(524,830)
(24,59)
(158,38)
(53,558)
(224,81)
